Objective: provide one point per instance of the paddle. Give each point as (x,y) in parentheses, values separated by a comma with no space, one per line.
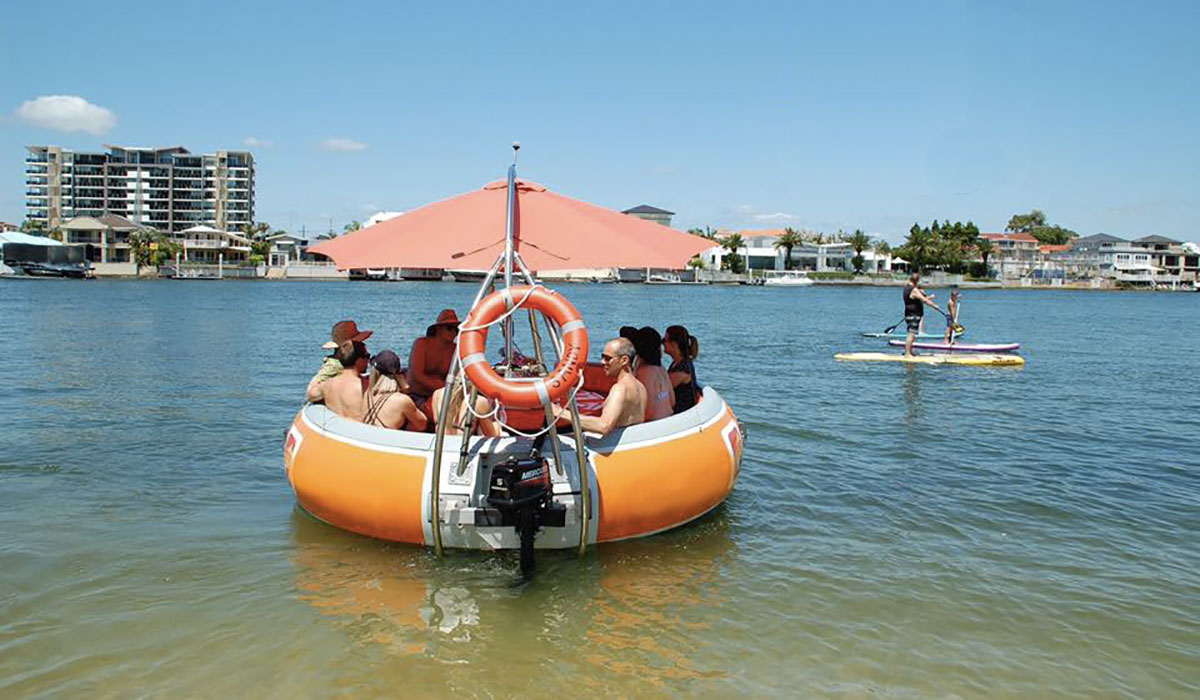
(892,327)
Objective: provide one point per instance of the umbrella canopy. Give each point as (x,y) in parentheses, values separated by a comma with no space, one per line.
(553,232)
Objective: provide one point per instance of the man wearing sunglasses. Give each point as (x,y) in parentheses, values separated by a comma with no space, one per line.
(626,401)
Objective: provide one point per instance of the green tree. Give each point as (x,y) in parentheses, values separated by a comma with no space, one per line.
(142,248)
(733,261)
(351,227)
(32,226)
(1025,223)
(859,241)
(1034,223)
(791,238)
(986,248)
(696,263)
(165,249)
(257,231)
(707,232)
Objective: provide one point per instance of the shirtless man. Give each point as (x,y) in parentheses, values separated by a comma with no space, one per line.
(915,300)
(343,394)
(429,361)
(626,401)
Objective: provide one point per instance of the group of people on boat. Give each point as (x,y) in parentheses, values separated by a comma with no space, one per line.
(380,390)
(642,389)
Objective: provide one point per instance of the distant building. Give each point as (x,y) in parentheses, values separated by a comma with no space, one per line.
(286,249)
(1151,261)
(5,226)
(760,253)
(649,213)
(168,189)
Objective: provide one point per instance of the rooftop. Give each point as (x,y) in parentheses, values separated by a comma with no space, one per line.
(647,209)
(1099,238)
(1022,237)
(1157,239)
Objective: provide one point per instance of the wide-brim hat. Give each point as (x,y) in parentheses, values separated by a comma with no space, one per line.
(446,318)
(344,332)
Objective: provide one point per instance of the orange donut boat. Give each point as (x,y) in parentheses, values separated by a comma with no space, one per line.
(643,479)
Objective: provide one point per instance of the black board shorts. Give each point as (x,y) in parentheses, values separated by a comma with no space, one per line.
(914,323)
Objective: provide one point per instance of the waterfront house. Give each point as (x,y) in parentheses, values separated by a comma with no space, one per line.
(1105,256)
(1016,254)
(106,235)
(286,249)
(1173,264)
(649,213)
(205,244)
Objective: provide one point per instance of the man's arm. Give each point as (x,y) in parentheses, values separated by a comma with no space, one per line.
(920,295)
(313,392)
(609,417)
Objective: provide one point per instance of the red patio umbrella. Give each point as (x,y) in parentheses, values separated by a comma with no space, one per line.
(553,232)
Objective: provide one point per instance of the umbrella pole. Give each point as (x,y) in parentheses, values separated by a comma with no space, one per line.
(510,250)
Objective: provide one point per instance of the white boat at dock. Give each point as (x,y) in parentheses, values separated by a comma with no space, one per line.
(787,278)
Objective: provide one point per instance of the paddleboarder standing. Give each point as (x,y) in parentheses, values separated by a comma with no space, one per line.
(915,300)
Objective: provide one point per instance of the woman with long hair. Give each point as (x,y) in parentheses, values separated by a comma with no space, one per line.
(387,406)
(660,400)
(683,348)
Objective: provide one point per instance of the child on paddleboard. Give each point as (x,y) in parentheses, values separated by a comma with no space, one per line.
(951,316)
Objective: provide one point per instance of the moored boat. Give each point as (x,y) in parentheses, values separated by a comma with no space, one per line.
(787,278)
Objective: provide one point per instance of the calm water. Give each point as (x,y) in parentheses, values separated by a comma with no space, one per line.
(896,532)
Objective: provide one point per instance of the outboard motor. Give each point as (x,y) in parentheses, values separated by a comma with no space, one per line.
(520,489)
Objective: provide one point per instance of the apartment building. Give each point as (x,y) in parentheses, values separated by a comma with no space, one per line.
(168,189)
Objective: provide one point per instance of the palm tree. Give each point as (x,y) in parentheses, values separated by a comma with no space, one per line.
(790,239)
(142,246)
(256,231)
(351,227)
(985,248)
(859,242)
(734,261)
(919,246)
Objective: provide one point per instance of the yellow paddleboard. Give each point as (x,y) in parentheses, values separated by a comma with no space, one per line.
(987,359)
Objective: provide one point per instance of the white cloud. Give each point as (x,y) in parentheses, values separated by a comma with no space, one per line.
(342,144)
(254,142)
(776,216)
(66,113)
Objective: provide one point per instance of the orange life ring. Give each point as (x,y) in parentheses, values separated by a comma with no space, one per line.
(516,393)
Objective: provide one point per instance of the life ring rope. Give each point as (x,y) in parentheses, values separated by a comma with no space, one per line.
(475,362)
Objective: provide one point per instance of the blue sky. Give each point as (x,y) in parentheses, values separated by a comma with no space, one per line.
(823,116)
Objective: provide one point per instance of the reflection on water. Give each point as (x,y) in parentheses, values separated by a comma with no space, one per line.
(639,609)
(649,613)
(912,393)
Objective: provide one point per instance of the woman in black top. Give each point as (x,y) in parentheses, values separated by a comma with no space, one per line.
(683,348)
